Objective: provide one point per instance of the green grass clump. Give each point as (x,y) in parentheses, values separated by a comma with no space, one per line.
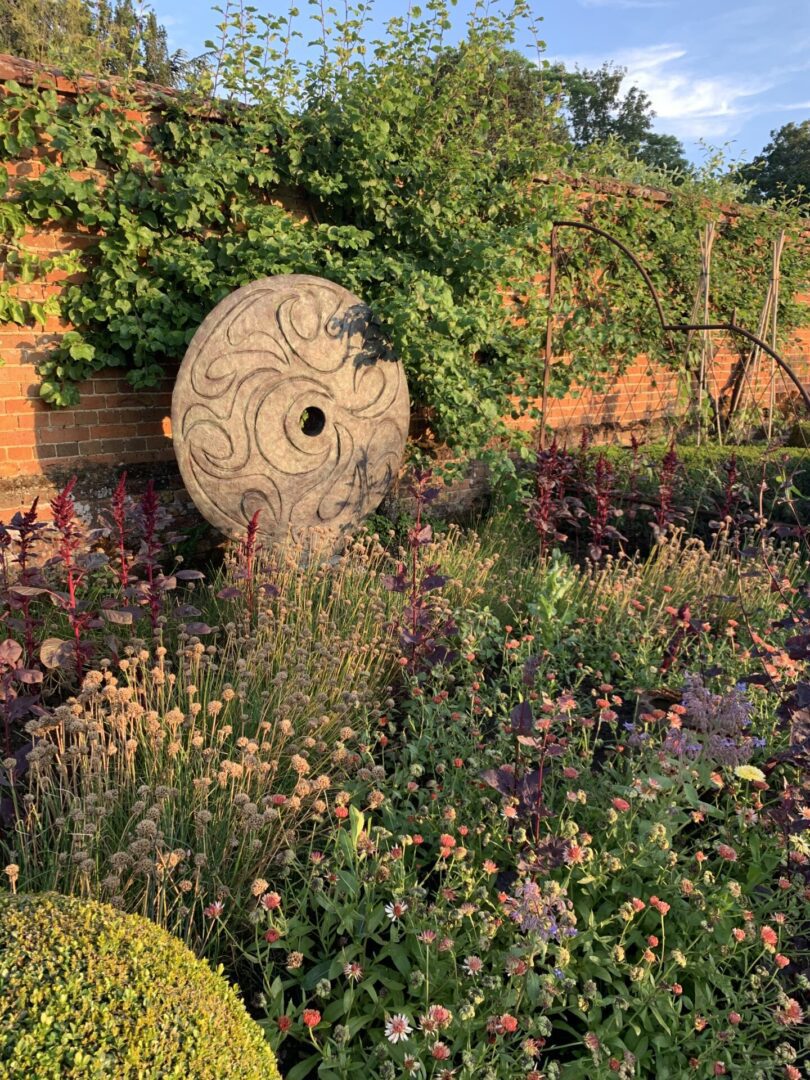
(87,991)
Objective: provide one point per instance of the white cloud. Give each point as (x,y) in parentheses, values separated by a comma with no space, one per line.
(689,101)
(625,4)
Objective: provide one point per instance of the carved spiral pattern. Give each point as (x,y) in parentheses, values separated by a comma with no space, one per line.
(287,402)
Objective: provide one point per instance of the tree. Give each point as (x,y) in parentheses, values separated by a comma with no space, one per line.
(89,35)
(783,168)
(597,111)
(662,152)
(46,31)
(514,92)
(580,108)
(160,66)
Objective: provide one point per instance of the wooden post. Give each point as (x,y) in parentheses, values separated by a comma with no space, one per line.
(552,288)
(768,315)
(778,246)
(706,245)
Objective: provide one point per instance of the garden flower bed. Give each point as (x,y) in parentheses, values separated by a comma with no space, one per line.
(444,806)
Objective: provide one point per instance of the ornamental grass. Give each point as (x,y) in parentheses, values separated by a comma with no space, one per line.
(182,773)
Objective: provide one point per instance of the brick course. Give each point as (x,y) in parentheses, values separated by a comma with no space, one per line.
(115,426)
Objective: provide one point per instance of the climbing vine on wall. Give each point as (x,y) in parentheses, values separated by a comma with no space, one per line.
(413,183)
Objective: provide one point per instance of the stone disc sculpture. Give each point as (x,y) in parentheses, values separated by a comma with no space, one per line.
(288,402)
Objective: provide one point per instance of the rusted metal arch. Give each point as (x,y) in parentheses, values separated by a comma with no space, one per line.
(667,327)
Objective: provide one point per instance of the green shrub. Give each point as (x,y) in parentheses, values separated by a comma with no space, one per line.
(88,991)
(704,474)
(702,477)
(800,435)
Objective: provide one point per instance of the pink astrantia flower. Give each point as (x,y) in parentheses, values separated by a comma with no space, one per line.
(790,1013)
(515,965)
(440,1016)
(769,938)
(397,1028)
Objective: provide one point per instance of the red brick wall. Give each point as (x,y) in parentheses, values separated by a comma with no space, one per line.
(114,425)
(646,393)
(117,427)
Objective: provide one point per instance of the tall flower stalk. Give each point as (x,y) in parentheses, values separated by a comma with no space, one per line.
(666,488)
(119,500)
(68,544)
(151,549)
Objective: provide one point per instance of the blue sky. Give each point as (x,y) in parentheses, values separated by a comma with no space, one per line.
(717,72)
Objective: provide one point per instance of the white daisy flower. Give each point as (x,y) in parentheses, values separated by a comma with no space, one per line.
(396,909)
(397,1028)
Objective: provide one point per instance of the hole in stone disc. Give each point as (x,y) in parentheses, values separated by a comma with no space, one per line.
(312,420)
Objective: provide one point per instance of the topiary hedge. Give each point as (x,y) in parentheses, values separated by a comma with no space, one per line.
(88,991)
(702,475)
